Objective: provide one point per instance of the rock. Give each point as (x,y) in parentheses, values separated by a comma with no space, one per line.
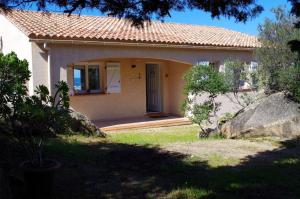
(84,125)
(274,115)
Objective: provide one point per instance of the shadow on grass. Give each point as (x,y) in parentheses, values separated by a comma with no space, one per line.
(112,170)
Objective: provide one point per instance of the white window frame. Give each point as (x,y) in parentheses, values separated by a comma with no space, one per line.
(86,68)
(203,63)
(73,69)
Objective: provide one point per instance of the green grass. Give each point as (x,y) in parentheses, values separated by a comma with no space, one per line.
(123,166)
(216,160)
(188,193)
(157,136)
(186,177)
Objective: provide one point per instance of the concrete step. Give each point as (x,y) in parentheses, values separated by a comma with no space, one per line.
(146,124)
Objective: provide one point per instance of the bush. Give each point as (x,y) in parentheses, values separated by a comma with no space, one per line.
(289,81)
(14,74)
(235,72)
(275,55)
(199,80)
(224,118)
(30,120)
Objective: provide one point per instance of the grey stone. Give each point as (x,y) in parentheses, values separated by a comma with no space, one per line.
(274,115)
(83,124)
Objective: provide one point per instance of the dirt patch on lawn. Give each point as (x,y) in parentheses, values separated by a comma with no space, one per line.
(227,151)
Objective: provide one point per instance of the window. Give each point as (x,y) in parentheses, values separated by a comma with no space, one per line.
(203,63)
(86,79)
(94,78)
(253,66)
(79,79)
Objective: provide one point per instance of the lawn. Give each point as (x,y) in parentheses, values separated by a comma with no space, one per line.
(156,136)
(138,164)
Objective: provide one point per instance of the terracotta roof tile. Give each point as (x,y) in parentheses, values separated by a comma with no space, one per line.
(61,26)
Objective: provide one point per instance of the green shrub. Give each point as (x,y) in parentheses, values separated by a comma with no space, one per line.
(279,65)
(225,117)
(30,120)
(199,80)
(289,81)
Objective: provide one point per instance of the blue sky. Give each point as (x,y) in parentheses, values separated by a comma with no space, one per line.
(250,27)
(202,18)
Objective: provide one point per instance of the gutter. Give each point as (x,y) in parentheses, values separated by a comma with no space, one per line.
(129,44)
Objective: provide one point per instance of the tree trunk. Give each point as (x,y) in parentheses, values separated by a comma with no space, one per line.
(215,113)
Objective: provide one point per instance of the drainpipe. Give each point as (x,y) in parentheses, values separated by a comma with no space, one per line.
(48,49)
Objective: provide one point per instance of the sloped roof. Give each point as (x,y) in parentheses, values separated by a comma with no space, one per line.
(58,26)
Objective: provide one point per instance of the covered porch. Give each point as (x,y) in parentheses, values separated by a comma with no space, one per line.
(120,91)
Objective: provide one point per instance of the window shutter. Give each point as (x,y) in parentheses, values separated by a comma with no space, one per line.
(113,78)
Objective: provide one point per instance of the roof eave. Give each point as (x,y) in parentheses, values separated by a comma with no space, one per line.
(140,44)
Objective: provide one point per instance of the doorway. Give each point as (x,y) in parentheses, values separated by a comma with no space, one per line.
(153,91)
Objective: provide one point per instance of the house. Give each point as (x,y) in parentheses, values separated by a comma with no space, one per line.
(115,70)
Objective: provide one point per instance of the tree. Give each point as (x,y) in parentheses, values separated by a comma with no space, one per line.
(289,81)
(199,80)
(143,10)
(295,44)
(30,120)
(235,72)
(14,74)
(275,54)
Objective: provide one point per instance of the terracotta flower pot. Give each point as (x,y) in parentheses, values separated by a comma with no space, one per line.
(39,181)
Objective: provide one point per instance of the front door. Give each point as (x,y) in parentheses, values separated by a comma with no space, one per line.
(153,88)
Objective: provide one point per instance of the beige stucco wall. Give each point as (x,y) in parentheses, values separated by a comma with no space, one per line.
(131,102)
(15,40)
(176,86)
(63,55)
(40,65)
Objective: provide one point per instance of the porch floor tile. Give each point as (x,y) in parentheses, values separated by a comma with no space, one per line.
(142,122)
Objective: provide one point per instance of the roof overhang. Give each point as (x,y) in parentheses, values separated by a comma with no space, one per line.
(141,44)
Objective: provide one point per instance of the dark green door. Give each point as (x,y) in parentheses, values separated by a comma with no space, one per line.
(153,88)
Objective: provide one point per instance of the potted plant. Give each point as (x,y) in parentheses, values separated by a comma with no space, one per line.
(31,120)
(38,118)
(35,119)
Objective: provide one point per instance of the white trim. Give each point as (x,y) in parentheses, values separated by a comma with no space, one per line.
(107,43)
(86,69)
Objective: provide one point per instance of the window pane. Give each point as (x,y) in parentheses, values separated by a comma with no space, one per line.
(79,78)
(94,79)
(203,63)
